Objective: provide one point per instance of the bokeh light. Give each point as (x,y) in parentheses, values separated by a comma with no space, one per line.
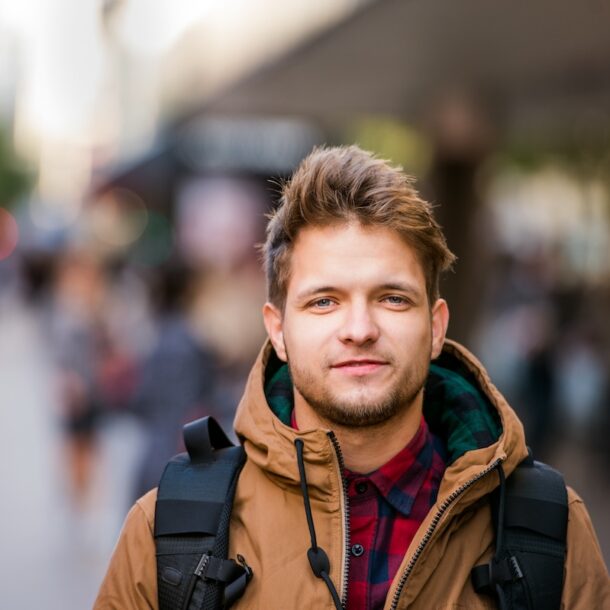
(9,234)
(118,219)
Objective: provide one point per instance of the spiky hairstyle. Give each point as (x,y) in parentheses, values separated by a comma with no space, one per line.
(344,184)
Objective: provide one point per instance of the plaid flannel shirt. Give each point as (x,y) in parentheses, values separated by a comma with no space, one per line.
(387,507)
(396,497)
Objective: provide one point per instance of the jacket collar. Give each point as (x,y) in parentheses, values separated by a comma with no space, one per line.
(478,427)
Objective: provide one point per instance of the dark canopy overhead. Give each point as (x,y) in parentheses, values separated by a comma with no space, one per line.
(540,63)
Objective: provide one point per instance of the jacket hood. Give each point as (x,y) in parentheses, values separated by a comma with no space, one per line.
(461,406)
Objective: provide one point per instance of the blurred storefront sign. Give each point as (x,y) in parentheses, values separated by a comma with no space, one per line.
(260,147)
(256,145)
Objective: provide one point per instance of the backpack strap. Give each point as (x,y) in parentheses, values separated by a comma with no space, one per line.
(528,568)
(192,515)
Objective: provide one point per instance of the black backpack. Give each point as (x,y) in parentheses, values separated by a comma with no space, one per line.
(530,516)
(193,512)
(192,516)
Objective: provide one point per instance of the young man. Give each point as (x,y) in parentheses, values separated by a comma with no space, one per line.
(397,431)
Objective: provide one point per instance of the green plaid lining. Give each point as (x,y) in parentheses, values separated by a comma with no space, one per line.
(278,391)
(454,408)
(459,412)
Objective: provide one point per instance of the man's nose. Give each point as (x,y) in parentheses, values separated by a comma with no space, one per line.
(359,326)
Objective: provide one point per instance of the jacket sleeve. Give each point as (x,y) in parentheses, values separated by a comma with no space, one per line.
(586,581)
(131,580)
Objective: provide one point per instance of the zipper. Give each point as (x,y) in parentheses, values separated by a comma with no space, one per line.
(426,538)
(346,525)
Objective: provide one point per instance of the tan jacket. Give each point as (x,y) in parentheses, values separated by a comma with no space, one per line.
(269,528)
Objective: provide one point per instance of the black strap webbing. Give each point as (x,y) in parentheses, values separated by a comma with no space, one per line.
(529,567)
(187,517)
(192,516)
(203,437)
(540,516)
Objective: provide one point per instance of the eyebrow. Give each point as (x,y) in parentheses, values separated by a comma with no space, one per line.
(310,292)
(402,287)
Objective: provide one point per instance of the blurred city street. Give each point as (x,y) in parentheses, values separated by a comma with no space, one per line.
(143,146)
(55,552)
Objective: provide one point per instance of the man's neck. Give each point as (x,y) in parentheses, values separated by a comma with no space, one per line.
(367,448)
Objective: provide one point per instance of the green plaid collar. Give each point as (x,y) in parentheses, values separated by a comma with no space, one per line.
(459,412)
(454,407)
(278,391)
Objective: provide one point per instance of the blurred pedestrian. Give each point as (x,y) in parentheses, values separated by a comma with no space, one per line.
(176,380)
(76,310)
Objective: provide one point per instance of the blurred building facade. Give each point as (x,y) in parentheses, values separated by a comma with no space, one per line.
(140,149)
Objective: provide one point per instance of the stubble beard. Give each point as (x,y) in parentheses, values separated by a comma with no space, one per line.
(365,413)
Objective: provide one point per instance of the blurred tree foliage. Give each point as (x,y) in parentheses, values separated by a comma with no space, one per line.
(14,177)
(581,150)
(391,139)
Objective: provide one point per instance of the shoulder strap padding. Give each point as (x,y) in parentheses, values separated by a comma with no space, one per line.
(537,500)
(194,502)
(530,568)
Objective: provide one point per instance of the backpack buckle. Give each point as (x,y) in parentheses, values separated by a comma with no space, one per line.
(515,568)
(202,567)
(496,572)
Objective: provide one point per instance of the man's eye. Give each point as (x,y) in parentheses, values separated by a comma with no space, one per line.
(395,300)
(322,303)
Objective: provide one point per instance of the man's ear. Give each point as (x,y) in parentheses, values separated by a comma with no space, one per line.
(272,317)
(440,321)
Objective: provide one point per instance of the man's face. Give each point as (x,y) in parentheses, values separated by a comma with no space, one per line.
(357,330)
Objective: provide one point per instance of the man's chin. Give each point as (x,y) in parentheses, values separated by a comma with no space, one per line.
(361,418)
(364,398)
(359,411)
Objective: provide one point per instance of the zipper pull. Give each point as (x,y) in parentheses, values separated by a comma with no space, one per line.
(241,560)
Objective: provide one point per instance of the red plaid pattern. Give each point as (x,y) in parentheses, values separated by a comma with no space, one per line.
(386,508)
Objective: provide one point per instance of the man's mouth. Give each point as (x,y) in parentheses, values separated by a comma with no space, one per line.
(359,366)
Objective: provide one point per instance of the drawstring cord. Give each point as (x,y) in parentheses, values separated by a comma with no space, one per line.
(500,534)
(318,559)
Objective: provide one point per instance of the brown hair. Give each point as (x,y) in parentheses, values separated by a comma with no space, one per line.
(346,183)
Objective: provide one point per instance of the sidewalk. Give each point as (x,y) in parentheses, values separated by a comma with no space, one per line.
(57,554)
